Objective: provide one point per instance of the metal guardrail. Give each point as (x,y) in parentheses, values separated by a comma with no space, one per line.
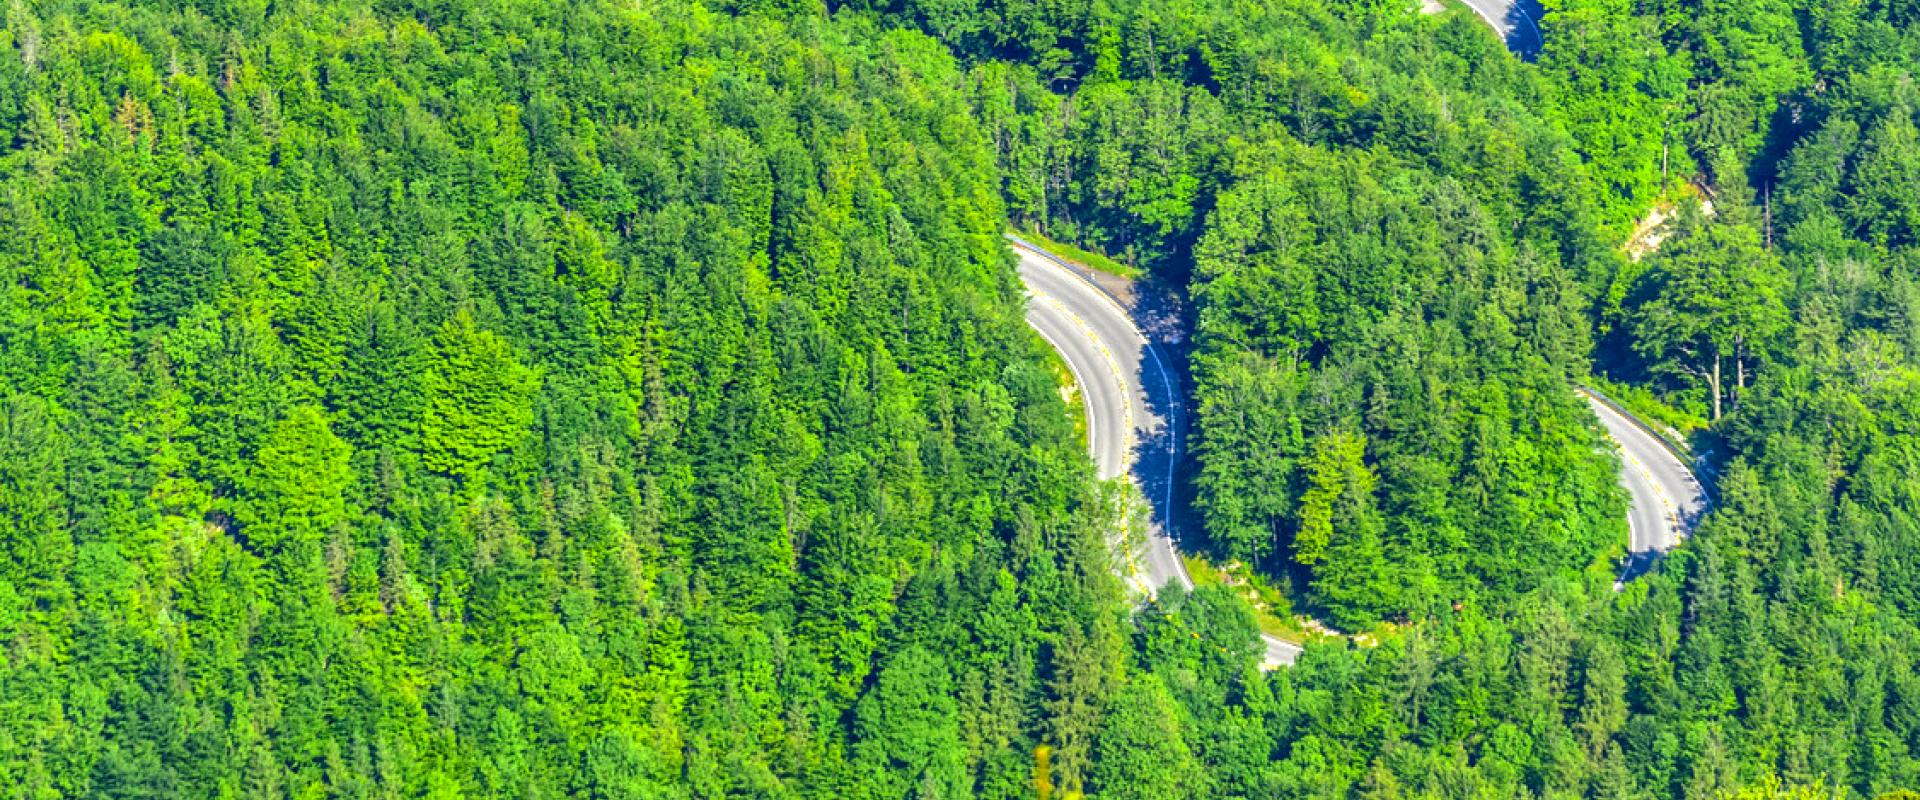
(1673,448)
(1175,384)
(1685,457)
(1084,273)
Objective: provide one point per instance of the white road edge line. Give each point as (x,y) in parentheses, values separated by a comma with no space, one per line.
(1173,440)
(1131,558)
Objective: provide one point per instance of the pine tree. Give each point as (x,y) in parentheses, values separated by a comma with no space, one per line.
(477,398)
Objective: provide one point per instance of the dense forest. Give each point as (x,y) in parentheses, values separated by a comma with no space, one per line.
(443,398)
(1402,246)
(522,401)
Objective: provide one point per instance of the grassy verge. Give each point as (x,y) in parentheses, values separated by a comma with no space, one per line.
(1272,611)
(1087,258)
(1678,423)
(1069,393)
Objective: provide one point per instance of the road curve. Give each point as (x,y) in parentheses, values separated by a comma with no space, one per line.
(1515,20)
(1133,409)
(1665,499)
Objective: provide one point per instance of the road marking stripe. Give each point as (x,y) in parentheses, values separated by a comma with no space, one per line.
(1172,423)
(1131,563)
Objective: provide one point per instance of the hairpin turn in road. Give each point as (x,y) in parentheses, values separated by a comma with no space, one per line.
(1134,413)
(1133,408)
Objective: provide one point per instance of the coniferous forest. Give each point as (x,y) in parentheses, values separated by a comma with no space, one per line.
(632,399)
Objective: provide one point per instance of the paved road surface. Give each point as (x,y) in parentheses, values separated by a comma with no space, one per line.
(1134,413)
(1517,22)
(1666,500)
(1133,406)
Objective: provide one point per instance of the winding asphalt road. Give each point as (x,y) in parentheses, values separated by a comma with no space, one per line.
(1134,410)
(1665,499)
(1515,20)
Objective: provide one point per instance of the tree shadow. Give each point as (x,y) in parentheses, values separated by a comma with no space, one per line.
(1523,28)
(1636,565)
(1160,456)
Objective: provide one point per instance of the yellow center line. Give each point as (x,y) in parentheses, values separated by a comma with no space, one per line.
(1131,565)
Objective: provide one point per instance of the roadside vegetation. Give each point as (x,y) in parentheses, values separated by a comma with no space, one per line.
(588,399)
(1670,423)
(1083,258)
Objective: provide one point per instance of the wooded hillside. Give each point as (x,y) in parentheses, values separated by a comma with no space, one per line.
(596,399)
